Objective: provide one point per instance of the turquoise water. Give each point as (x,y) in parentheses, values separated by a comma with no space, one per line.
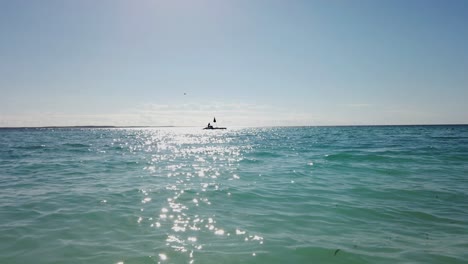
(396,194)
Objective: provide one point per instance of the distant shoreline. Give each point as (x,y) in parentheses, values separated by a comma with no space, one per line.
(61,127)
(68,127)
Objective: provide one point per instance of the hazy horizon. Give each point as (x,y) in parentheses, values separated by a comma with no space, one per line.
(234,127)
(249,63)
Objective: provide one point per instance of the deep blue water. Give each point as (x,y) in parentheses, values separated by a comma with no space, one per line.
(390,194)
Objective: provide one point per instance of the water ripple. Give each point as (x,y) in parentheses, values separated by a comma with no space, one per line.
(263,195)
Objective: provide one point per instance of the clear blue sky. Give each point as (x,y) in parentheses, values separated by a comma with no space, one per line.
(246,62)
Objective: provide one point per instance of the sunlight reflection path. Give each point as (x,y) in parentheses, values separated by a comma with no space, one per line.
(189,175)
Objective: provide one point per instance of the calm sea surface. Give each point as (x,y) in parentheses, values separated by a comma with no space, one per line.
(395,194)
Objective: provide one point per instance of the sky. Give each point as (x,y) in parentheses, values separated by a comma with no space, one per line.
(246,62)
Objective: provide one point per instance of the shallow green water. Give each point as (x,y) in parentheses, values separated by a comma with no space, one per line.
(253,195)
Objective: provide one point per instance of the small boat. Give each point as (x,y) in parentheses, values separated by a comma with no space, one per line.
(209,126)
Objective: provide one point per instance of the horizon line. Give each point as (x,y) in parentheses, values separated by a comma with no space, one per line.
(167,126)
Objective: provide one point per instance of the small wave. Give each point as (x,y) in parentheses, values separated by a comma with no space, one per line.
(250,161)
(323,254)
(32,147)
(449,137)
(75,145)
(356,157)
(457,158)
(266,154)
(366,157)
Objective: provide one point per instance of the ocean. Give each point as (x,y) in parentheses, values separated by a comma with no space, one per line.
(366,194)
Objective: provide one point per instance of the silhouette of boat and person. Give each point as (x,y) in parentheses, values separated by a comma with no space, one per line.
(209,126)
